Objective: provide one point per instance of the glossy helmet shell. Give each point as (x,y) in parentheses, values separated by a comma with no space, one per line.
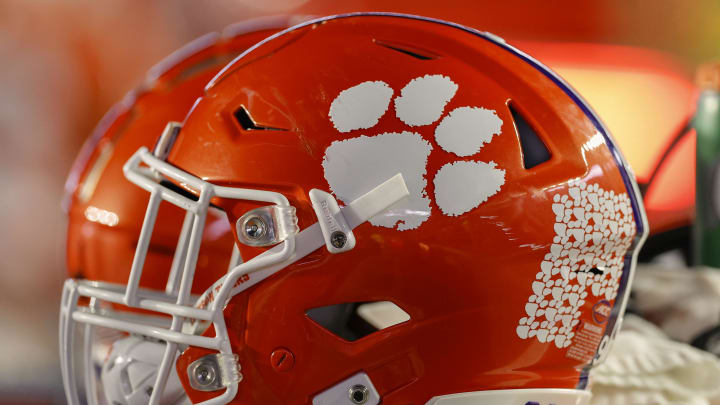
(492,287)
(647,99)
(105,211)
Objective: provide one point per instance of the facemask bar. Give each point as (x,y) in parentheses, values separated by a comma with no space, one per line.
(176,300)
(189,321)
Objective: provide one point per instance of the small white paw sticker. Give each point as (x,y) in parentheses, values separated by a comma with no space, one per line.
(593,230)
(356,165)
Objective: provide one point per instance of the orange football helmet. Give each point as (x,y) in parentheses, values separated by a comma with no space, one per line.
(427,216)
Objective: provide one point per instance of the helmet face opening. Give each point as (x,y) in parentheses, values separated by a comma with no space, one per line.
(429,180)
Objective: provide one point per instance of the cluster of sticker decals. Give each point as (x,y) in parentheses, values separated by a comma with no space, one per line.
(593,230)
(351,166)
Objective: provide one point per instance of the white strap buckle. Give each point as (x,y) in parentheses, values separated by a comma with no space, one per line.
(337,224)
(338,235)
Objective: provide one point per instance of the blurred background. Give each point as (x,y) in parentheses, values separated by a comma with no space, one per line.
(64,63)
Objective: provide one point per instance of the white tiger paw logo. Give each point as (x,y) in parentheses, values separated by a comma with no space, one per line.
(355,165)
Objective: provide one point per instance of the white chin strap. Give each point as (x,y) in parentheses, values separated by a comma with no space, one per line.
(146,170)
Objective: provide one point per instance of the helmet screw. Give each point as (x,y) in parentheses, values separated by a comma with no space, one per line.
(204,374)
(282,360)
(359,394)
(255,227)
(338,239)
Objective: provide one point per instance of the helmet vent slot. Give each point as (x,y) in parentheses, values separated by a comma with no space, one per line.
(534,150)
(243,117)
(174,187)
(185,193)
(408,50)
(356,320)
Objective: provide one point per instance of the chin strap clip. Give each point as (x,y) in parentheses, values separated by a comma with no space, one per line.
(335,229)
(337,224)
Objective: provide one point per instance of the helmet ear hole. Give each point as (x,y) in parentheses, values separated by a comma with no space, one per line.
(356,320)
(534,150)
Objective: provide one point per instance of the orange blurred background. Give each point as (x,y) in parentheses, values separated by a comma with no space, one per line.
(64,63)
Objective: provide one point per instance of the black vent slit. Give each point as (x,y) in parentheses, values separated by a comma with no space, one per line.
(408,50)
(243,117)
(534,150)
(183,192)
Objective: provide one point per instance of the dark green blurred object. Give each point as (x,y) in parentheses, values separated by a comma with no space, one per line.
(706,229)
